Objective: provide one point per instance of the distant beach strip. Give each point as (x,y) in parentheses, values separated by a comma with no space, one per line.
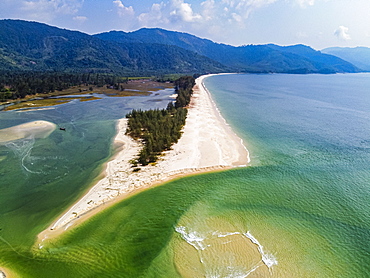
(207,144)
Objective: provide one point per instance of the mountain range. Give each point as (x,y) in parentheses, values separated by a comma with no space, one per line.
(248,58)
(36,46)
(358,56)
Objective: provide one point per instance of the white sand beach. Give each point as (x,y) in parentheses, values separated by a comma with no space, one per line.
(207,144)
(37,129)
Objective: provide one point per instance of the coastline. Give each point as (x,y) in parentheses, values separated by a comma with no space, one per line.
(208,144)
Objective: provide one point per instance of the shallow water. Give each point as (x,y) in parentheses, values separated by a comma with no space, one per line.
(300,210)
(40,177)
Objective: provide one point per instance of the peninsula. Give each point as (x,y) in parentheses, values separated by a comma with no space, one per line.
(207,144)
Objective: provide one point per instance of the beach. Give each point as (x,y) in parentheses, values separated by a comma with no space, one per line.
(37,129)
(299,209)
(207,144)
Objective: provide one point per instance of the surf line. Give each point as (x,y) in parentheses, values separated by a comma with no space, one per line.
(196,240)
(268,259)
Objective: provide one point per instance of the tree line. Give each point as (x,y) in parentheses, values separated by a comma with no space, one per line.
(184,89)
(16,85)
(159,129)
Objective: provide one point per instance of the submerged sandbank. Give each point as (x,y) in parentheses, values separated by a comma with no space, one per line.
(207,144)
(37,129)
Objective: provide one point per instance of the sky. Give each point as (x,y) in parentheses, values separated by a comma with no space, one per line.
(317,23)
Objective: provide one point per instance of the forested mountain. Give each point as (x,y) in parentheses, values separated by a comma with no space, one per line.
(39,47)
(320,61)
(359,56)
(249,58)
(36,46)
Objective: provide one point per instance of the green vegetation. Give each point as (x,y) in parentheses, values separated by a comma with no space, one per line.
(247,58)
(39,47)
(184,89)
(159,129)
(46,102)
(34,46)
(26,89)
(18,85)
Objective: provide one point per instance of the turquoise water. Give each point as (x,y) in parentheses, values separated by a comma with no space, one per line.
(39,178)
(309,137)
(300,210)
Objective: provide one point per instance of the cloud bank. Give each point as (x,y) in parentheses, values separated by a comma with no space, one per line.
(41,10)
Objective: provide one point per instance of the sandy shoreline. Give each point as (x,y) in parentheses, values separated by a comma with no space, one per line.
(207,144)
(37,129)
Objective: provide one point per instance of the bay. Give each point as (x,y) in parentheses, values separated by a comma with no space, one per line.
(300,209)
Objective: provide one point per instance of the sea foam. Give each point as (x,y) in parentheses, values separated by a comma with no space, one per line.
(192,237)
(268,259)
(197,240)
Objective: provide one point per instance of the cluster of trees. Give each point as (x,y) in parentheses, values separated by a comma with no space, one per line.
(14,85)
(157,129)
(184,89)
(160,129)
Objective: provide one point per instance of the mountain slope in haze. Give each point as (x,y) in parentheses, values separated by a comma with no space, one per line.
(359,56)
(36,46)
(249,58)
(318,59)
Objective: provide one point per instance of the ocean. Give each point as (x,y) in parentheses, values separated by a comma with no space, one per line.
(300,209)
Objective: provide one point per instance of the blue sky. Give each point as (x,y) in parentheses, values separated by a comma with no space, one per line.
(318,23)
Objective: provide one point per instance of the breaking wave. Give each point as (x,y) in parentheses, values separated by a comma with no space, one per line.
(201,242)
(268,259)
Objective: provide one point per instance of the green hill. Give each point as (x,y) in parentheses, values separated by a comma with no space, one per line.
(359,56)
(39,47)
(248,58)
(36,46)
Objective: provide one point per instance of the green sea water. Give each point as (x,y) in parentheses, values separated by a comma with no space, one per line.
(301,209)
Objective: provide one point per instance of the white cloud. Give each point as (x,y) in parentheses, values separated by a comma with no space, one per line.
(80,19)
(174,12)
(155,16)
(237,17)
(208,9)
(122,10)
(301,35)
(342,33)
(239,10)
(305,3)
(206,15)
(46,10)
(184,12)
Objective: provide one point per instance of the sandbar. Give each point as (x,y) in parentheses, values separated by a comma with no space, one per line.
(37,129)
(207,144)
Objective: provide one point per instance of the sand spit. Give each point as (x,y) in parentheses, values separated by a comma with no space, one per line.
(207,144)
(38,129)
